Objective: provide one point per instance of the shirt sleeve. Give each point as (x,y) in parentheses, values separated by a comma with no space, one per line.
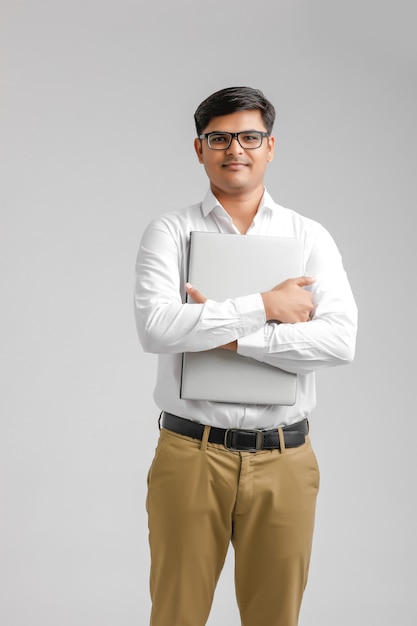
(164,321)
(329,338)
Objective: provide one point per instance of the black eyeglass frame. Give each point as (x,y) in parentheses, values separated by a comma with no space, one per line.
(232,136)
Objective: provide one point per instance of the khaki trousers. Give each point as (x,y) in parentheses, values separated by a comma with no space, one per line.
(202,496)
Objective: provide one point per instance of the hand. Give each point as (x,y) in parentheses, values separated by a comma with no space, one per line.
(288,302)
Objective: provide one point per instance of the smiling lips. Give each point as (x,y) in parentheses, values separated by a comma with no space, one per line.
(234,165)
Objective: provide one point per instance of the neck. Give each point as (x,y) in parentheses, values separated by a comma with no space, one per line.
(242,208)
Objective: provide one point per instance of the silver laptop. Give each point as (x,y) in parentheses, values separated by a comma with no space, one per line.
(224,266)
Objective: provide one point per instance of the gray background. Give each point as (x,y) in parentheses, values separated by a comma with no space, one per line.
(97,99)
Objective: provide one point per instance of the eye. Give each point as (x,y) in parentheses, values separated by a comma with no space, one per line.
(219,138)
(250,137)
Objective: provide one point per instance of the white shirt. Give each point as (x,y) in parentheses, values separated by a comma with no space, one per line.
(168,326)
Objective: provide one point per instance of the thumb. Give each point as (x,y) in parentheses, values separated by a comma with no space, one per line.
(196,295)
(302,281)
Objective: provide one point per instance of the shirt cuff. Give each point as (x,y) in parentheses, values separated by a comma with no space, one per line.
(251,312)
(253,345)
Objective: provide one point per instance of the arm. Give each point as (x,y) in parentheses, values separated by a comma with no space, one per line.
(326,303)
(288,302)
(329,337)
(165,322)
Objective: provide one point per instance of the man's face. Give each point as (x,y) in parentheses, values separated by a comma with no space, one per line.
(236,170)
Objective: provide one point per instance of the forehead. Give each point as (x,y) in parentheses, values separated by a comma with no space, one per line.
(235,122)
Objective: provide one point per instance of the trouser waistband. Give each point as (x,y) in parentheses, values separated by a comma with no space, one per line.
(245,440)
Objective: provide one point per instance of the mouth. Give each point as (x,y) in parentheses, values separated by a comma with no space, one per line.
(234,165)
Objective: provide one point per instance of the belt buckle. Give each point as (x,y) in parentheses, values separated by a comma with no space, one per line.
(258,442)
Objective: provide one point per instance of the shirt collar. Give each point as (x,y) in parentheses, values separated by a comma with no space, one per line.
(210,202)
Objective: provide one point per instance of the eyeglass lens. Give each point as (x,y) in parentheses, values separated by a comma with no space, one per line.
(248,140)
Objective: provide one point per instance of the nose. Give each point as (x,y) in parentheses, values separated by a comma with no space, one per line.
(235,147)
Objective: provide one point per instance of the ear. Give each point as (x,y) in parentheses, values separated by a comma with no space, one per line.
(271,149)
(198,147)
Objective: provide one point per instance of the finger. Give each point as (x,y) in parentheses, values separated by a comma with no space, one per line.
(302,281)
(196,295)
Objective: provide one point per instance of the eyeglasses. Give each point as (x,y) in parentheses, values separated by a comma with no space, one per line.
(247,139)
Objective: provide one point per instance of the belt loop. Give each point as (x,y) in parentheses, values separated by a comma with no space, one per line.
(204,438)
(281,440)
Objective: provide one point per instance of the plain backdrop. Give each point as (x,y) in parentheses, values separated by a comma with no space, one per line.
(96,123)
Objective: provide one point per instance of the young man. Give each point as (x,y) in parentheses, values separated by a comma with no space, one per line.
(201,494)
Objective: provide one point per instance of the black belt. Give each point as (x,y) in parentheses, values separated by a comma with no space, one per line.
(238,439)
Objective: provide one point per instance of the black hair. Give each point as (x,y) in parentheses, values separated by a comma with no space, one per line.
(230,100)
